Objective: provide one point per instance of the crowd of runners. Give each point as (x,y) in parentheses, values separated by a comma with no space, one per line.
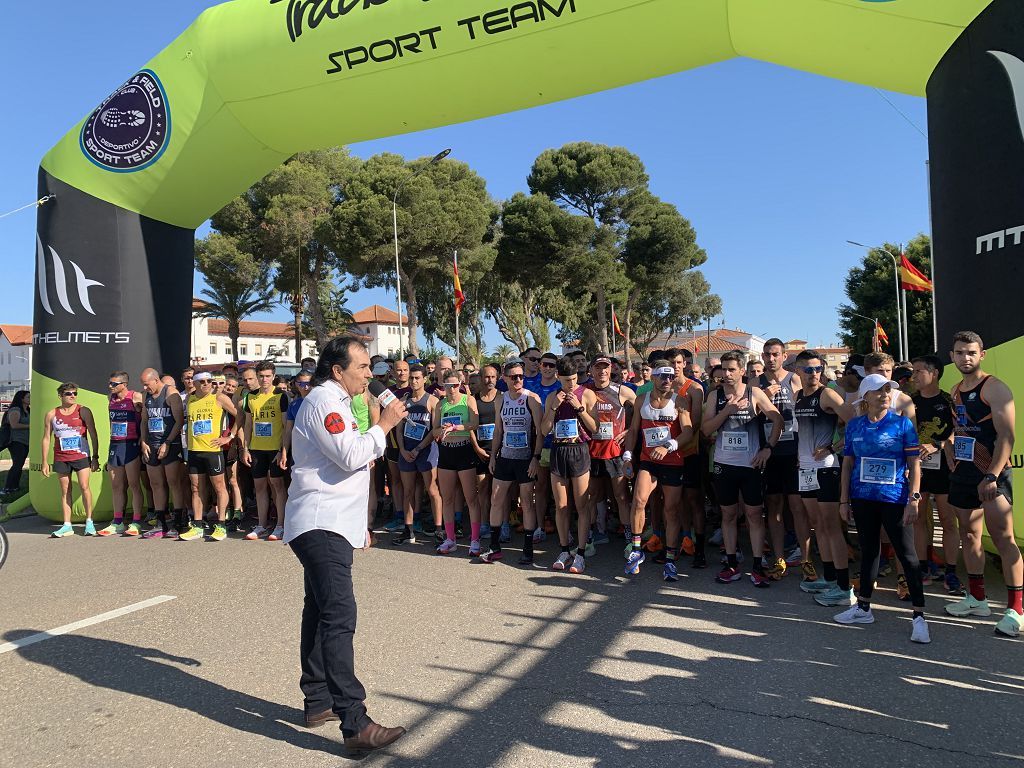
(802,459)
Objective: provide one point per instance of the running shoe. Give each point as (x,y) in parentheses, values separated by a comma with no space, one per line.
(815,587)
(133,529)
(600,537)
(490,556)
(716,537)
(506,533)
(902,588)
(855,615)
(590,549)
(834,597)
(884,567)
(579,564)
(808,571)
(152,521)
(561,561)
(539,535)
(447,547)
(669,572)
(759,580)
(64,530)
(194,533)
(795,557)
(633,561)
(627,550)
(1011,623)
(653,543)
(474,548)
(969,606)
(156,533)
(728,575)
(485,530)
(90,528)
(439,536)
(394,524)
(525,560)
(256,533)
(114,529)
(919,631)
(172,533)
(219,533)
(953,585)
(401,539)
(926,577)
(700,560)
(739,557)
(277,534)
(776,570)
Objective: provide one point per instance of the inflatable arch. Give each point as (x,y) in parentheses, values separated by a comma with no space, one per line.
(250,82)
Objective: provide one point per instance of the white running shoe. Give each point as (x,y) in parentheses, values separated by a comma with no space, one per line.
(919,631)
(447,547)
(561,561)
(539,535)
(256,533)
(474,549)
(969,606)
(855,615)
(579,564)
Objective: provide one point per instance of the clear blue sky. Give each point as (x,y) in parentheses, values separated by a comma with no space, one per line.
(775,168)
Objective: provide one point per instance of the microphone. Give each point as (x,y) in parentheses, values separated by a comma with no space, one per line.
(384,395)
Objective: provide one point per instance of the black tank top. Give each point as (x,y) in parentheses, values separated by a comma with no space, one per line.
(972,420)
(485,432)
(159,419)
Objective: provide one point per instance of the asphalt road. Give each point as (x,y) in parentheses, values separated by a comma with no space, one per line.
(486,665)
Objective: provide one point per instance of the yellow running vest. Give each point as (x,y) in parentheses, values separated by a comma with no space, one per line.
(267,415)
(205,422)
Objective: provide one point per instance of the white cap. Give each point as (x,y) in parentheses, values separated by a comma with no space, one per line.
(381,368)
(872,383)
(202,376)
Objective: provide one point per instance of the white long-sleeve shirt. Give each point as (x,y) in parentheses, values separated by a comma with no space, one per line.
(330,480)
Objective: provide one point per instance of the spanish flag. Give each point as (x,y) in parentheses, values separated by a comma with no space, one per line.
(615,324)
(911,278)
(460,297)
(883,337)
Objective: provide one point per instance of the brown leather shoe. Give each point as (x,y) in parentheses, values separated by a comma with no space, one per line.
(373,736)
(315,720)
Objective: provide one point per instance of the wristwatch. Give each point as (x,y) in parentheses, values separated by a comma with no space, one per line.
(915,496)
(990,477)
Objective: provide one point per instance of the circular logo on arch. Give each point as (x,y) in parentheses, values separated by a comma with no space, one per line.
(129,130)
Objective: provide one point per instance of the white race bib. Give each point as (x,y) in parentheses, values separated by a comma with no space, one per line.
(71,443)
(414,430)
(932,461)
(202,427)
(156,424)
(514,440)
(485,432)
(878,471)
(963,448)
(809,480)
(605,430)
(656,436)
(567,429)
(119,429)
(736,442)
(264,429)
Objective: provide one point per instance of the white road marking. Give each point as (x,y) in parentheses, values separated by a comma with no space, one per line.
(41,636)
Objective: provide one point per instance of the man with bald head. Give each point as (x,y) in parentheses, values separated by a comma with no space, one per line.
(163,418)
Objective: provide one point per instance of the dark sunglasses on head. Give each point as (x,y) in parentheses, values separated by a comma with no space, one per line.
(70,393)
(813,368)
(548,365)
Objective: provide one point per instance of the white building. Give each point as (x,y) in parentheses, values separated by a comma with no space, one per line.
(257,340)
(381,325)
(15,359)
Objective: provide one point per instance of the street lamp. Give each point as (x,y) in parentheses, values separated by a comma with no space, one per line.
(394,220)
(872,319)
(896,278)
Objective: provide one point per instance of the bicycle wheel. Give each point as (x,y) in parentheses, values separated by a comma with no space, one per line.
(3,546)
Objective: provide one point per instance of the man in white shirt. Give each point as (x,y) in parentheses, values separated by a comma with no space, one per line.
(325,522)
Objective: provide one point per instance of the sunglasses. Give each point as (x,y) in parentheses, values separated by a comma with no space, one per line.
(449,384)
(113,384)
(813,368)
(665,376)
(514,376)
(72,393)
(302,384)
(532,359)
(548,365)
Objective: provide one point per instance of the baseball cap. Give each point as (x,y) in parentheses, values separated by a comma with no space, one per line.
(901,373)
(381,368)
(873,383)
(601,360)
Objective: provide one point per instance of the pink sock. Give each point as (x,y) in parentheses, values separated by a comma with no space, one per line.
(449,530)
(474,531)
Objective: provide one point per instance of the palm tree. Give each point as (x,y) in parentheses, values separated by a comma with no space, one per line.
(235,306)
(503,352)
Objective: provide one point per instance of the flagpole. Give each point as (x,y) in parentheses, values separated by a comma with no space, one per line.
(906,326)
(457,360)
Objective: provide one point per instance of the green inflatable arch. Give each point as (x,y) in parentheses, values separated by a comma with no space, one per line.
(251,82)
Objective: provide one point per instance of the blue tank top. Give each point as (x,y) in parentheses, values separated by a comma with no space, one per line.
(542,392)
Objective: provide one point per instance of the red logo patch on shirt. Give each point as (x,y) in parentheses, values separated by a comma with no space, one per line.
(334,423)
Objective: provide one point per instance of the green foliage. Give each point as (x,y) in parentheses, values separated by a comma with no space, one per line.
(871,290)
